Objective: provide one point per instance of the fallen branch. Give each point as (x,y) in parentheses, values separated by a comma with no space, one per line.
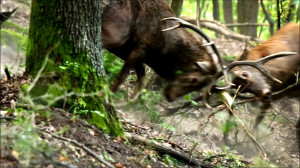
(80,145)
(7,118)
(222,29)
(159,147)
(245,24)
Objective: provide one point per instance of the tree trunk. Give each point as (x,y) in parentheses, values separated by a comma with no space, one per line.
(216,10)
(247,13)
(68,33)
(177,7)
(290,13)
(268,17)
(278,14)
(227,8)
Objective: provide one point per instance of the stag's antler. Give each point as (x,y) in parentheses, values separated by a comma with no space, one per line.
(258,64)
(182,23)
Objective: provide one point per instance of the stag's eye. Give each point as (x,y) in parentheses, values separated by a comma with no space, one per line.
(245,75)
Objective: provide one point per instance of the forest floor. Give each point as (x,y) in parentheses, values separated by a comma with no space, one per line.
(157,135)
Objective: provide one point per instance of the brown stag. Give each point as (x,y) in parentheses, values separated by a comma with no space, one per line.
(132,31)
(284,69)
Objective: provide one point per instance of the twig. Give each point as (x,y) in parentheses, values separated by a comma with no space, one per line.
(167,150)
(43,67)
(7,118)
(80,145)
(7,73)
(264,156)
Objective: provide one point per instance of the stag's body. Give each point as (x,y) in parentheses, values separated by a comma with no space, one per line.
(283,68)
(131,29)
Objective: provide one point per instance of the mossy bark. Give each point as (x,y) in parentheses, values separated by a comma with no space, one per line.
(68,33)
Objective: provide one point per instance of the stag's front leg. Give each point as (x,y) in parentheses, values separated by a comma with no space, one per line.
(140,73)
(298,133)
(132,61)
(265,106)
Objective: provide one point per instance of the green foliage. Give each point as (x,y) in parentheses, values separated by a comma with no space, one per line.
(169,160)
(188,97)
(23,138)
(232,156)
(15,27)
(112,65)
(167,126)
(230,123)
(229,58)
(258,162)
(12,38)
(147,102)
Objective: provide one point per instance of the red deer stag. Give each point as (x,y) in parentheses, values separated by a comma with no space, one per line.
(284,68)
(132,31)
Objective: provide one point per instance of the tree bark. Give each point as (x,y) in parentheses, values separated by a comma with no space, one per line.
(198,15)
(227,8)
(68,34)
(216,10)
(298,13)
(290,13)
(248,12)
(177,7)
(278,14)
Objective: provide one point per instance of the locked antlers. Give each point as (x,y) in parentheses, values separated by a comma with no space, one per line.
(258,64)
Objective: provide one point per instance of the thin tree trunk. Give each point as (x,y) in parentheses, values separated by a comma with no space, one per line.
(198,13)
(177,7)
(227,8)
(248,12)
(278,14)
(216,11)
(298,13)
(268,17)
(290,13)
(68,34)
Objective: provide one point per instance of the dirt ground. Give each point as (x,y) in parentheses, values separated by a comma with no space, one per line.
(192,129)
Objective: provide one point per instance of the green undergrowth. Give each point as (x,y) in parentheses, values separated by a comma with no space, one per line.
(13,39)
(15,27)
(112,65)
(22,139)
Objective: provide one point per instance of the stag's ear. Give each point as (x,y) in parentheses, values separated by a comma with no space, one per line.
(203,65)
(244,56)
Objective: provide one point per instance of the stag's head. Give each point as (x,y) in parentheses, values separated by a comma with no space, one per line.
(193,80)
(199,72)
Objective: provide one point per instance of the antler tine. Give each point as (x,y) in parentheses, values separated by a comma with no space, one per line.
(258,64)
(183,23)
